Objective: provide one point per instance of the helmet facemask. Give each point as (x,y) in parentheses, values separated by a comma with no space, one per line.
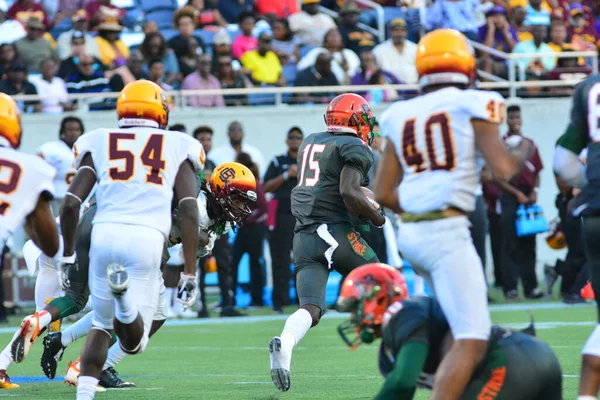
(364,122)
(234,204)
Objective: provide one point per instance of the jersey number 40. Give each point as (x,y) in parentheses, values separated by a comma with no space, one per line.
(429,158)
(150,157)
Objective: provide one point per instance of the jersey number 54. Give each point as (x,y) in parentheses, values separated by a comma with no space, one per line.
(150,157)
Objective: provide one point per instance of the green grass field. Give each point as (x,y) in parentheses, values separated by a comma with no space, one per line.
(219,359)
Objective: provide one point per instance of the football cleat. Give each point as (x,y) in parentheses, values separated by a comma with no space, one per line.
(53,353)
(110,379)
(118,279)
(5,382)
(72,375)
(27,334)
(280,374)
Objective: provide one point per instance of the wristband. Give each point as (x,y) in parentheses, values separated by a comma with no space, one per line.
(69,259)
(286,176)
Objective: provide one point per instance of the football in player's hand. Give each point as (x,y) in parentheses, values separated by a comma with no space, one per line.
(370,196)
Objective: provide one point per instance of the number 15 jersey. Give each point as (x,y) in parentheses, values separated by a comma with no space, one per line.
(435,143)
(136,170)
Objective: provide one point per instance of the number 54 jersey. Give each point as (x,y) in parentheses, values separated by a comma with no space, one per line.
(136,170)
(435,143)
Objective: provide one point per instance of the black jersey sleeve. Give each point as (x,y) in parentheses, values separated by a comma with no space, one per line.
(358,156)
(576,136)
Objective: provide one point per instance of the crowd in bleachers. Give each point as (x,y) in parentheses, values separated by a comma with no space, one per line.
(56,47)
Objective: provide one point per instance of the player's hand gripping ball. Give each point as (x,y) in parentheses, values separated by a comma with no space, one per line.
(370,196)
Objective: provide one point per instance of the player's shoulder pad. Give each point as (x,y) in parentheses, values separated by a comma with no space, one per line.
(484,105)
(194,151)
(87,143)
(40,165)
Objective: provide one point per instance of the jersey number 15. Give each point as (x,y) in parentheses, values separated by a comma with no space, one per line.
(150,157)
(428,158)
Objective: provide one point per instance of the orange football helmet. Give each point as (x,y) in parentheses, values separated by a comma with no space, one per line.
(444,56)
(555,237)
(350,113)
(233,185)
(143,103)
(10,121)
(366,293)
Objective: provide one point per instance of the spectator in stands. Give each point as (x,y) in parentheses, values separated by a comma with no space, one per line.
(454,14)
(279,8)
(181,128)
(371,74)
(567,69)
(320,74)
(10,29)
(156,73)
(231,79)
(536,14)
(497,34)
(113,51)
(519,253)
(150,27)
(78,48)
(535,68)
(34,48)
(68,8)
(280,179)
(188,62)
(207,18)
(136,64)
(263,63)
(7,55)
(582,33)
(202,79)
(558,36)
(183,20)
(80,25)
(228,152)
(355,38)
(51,89)
(99,11)
(397,54)
(222,47)
(518,22)
(285,43)
(24,10)
(310,25)
(154,46)
(345,62)
(245,41)
(231,9)
(16,83)
(251,235)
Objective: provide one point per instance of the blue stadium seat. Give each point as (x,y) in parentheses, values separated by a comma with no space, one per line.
(289,73)
(304,50)
(168,34)
(206,36)
(162,17)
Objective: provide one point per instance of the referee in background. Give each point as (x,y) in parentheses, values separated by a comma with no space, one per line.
(280,179)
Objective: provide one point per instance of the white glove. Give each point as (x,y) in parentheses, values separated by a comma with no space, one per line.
(65,264)
(186,290)
(206,250)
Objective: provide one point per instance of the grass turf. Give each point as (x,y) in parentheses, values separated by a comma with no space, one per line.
(230,361)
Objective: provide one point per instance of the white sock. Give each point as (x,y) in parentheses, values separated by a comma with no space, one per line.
(115,356)
(592,345)
(126,310)
(6,357)
(295,328)
(86,388)
(45,318)
(47,286)
(586,397)
(78,330)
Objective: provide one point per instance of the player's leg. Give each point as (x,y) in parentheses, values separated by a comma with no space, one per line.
(589,383)
(47,284)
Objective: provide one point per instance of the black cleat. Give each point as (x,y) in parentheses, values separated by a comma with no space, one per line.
(232,312)
(53,353)
(110,379)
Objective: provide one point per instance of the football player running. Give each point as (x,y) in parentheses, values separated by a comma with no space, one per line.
(333,165)
(582,132)
(26,190)
(429,173)
(415,338)
(139,169)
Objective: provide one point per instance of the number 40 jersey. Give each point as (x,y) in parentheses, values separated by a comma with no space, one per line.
(136,170)
(435,143)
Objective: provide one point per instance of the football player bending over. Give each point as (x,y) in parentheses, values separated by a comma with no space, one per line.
(332,167)
(25,194)
(429,172)
(416,338)
(567,165)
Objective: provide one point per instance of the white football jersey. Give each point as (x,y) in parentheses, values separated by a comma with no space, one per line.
(136,170)
(435,143)
(23,178)
(60,156)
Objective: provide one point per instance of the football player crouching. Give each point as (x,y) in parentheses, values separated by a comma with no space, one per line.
(223,204)
(415,338)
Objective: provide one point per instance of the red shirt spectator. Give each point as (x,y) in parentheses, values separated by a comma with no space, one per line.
(581,29)
(99,10)
(22,10)
(526,180)
(281,8)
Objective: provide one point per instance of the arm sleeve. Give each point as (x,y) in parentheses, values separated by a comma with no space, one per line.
(486,106)
(401,382)
(194,152)
(576,136)
(358,156)
(84,145)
